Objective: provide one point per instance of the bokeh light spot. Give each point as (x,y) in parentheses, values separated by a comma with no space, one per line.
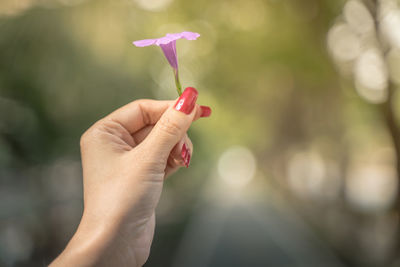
(310,176)
(390,25)
(371,76)
(358,17)
(15,243)
(343,43)
(237,166)
(371,188)
(153,5)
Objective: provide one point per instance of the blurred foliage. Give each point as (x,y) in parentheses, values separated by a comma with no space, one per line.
(262,66)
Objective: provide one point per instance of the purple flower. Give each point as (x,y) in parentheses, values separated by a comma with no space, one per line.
(168,46)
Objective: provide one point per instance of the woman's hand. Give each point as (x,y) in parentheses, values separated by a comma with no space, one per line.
(126,157)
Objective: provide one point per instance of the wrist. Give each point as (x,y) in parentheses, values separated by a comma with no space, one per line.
(91,245)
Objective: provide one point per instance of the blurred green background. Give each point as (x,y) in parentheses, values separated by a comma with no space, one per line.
(297,165)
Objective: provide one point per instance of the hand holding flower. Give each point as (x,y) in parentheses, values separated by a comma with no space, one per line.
(126,157)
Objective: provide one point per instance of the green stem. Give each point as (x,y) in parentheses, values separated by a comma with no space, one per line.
(177,82)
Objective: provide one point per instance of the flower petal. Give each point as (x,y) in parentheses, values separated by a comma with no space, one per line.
(146,42)
(169,50)
(190,35)
(165,40)
(169,37)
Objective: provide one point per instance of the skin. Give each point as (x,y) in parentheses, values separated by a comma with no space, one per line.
(126,157)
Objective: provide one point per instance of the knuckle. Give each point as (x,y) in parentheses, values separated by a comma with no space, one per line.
(89,135)
(169,126)
(84,139)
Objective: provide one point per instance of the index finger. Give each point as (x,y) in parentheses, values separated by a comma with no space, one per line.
(140,113)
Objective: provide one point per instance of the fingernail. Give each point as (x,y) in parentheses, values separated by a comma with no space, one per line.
(184,153)
(187,100)
(205,111)
(188,159)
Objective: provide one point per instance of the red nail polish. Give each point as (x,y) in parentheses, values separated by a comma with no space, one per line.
(184,153)
(205,111)
(188,160)
(187,100)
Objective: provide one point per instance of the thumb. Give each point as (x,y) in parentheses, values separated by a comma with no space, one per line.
(172,126)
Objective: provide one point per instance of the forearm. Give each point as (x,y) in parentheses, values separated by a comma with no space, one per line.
(95,245)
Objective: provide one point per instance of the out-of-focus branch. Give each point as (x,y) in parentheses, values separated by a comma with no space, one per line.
(387,107)
(394,130)
(388,113)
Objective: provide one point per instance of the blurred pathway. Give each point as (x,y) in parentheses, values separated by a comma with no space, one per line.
(243,232)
